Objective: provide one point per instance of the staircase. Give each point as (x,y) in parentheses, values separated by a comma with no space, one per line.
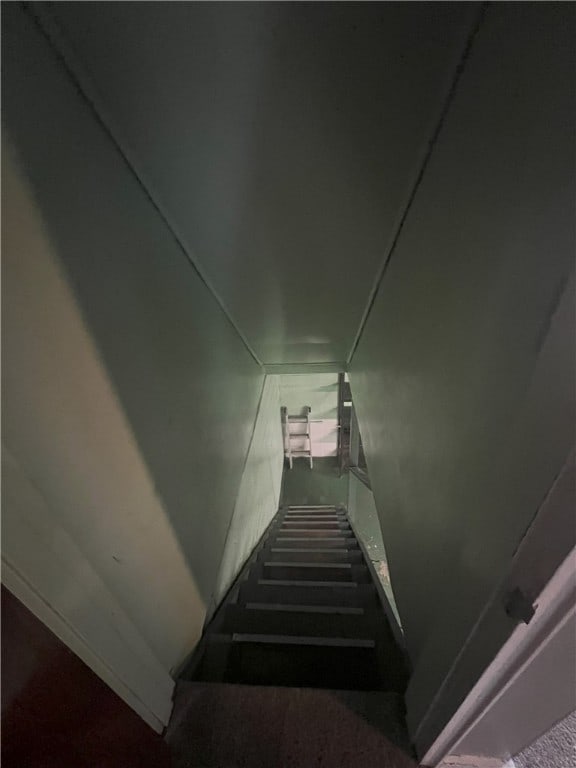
(302,632)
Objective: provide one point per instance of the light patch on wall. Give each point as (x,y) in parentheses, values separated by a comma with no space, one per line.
(65,428)
(45,569)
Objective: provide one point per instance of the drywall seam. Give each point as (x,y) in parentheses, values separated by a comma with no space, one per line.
(419,175)
(70,61)
(27,595)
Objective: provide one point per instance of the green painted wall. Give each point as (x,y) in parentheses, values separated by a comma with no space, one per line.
(318,390)
(364,516)
(463,378)
(281,138)
(129,400)
(259,495)
(320,485)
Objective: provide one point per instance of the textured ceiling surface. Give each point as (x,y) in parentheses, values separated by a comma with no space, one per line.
(280,140)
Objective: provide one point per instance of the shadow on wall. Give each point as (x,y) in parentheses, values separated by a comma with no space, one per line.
(186,383)
(72,468)
(321,485)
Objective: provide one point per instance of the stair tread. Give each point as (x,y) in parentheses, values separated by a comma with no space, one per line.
(306,549)
(313,571)
(325,518)
(323,569)
(313,512)
(360,595)
(313,516)
(304,583)
(315,526)
(292,507)
(298,608)
(293,564)
(306,611)
(307,554)
(309,665)
(337,642)
(318,523)
(310,623)
(340,539)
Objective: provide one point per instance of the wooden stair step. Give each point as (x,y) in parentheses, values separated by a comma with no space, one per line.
(307,532)
(310,623)
(344,610)
(334,542)
(295,554)
(361,595)
(314,571)
(305,662)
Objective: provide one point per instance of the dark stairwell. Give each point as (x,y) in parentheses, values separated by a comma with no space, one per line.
(299,666)
(198,197)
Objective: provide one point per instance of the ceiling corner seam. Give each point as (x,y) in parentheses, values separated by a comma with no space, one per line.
(71,63)
(430,145)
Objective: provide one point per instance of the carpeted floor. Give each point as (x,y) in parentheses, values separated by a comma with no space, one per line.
(555,749)
(216,725)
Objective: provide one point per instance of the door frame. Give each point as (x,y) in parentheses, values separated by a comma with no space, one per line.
(555,605)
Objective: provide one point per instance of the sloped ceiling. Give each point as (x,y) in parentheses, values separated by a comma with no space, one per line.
(279,140)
